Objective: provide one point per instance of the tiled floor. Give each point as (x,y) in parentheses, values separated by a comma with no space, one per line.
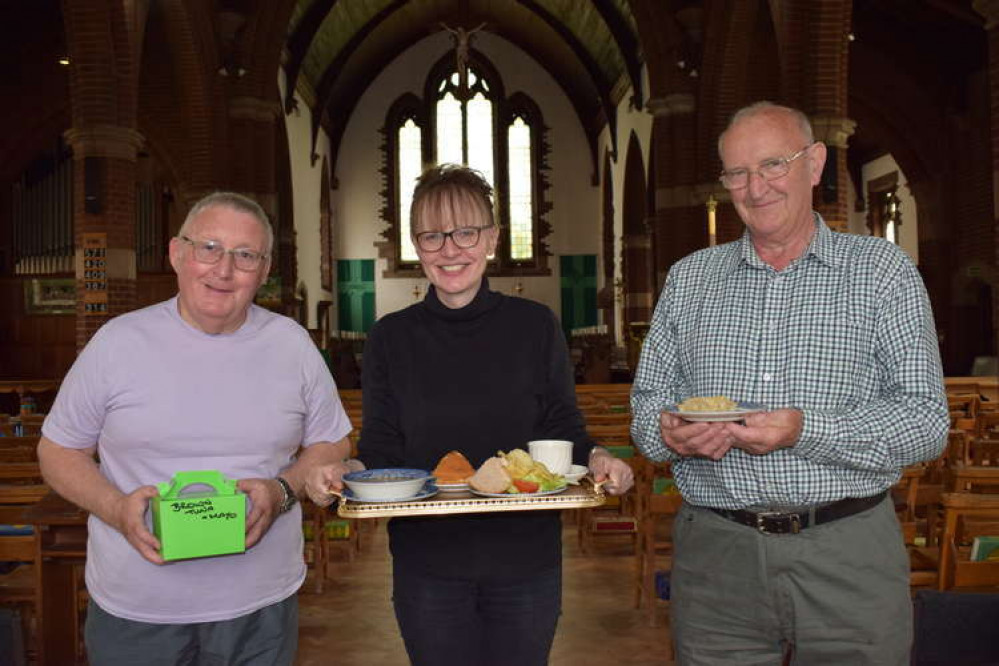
(351,623)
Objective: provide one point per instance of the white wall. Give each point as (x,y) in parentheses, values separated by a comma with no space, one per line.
(575,215)
(629,120)
(307,189)
(908,232)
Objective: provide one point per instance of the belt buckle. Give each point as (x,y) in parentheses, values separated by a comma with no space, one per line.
(773,522)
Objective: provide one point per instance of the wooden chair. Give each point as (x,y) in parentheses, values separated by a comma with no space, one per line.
(19,586)
(18,454)
(18,442)
(20,472)
(961,512)
(31,424)
(973,479)
(6,428)
(962,388)
(316,544)
(657,511)
(983,451)
(987,425)
(963,405)
(608,418)
(620,513)
(905,494)
(619,516)
(966,424)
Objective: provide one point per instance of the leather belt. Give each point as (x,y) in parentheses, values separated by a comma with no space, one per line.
(777,522)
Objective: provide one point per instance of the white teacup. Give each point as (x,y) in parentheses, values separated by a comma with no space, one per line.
(555,454)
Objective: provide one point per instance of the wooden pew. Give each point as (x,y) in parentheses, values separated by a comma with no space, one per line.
(956,570)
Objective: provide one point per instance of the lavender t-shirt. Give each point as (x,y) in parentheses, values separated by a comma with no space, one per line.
(159,396)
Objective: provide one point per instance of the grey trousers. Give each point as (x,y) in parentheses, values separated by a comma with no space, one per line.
(837,592)
(267,637)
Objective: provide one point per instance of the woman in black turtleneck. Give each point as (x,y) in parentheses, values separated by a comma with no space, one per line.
(476,371)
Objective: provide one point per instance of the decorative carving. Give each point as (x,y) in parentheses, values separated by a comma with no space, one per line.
(672,105)
(462,42)
(833,131)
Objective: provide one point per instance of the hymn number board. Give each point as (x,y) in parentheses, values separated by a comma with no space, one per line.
(95,272)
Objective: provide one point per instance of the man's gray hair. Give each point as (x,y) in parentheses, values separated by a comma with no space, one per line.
(233,201)
(765,106)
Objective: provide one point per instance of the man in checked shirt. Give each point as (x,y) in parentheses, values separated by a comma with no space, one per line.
(787,542)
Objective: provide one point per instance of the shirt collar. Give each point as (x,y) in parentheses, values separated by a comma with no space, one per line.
(822,247)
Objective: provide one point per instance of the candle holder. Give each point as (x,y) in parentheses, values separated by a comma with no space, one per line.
(712,206)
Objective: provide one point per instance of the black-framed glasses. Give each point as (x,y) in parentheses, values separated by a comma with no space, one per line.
(211,252)
(772,169)
(463,237)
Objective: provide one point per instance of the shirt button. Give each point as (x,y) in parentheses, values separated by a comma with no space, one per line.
(767,376)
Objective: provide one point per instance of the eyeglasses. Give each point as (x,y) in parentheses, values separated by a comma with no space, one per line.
(463,237)
(772,169)
(211,252)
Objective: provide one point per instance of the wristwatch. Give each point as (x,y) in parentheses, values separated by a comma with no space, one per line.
(289,496)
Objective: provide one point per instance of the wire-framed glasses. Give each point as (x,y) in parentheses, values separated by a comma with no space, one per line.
(463,237)
(211,252)
(772,169)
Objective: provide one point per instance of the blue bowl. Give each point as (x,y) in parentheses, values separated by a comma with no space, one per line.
(387,483)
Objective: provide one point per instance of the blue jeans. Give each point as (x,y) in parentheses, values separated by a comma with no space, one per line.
(447,621)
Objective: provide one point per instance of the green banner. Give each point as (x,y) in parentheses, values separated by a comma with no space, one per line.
(355,286)
(579,291)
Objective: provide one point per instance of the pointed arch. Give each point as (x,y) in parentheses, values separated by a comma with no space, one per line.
(638,264)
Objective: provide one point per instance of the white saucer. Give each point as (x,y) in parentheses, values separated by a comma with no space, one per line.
(453,487)
(575,473)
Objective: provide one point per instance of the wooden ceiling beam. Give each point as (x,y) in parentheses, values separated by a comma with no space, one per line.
(627,44)
(299,43)
(589,63)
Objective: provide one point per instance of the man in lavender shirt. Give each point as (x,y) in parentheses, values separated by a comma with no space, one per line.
(205,380)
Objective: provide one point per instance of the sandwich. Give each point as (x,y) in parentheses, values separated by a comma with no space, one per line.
(453,468)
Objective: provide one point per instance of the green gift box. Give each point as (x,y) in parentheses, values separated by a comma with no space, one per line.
(200,524)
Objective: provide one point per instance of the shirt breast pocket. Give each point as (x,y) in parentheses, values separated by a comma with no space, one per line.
(830,360)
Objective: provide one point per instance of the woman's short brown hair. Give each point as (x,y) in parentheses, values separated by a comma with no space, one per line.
(450,192)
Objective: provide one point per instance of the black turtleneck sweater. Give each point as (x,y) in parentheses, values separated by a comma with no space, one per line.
(490,376)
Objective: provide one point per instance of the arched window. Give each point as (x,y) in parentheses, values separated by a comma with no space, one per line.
(469,122)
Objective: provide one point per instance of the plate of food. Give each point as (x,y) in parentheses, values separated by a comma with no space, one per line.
(453,472)
(539,493)
(713,409)
(515,474)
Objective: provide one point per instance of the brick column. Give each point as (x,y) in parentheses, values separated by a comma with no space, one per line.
(831,195)
(675,229)
(104,164)
(252,126)
(990,10)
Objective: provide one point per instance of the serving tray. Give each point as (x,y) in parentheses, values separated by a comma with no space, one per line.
(585,495)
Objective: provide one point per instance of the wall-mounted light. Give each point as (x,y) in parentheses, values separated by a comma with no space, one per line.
(63,60)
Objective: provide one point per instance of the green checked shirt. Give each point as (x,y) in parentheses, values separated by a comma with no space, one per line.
(845,334)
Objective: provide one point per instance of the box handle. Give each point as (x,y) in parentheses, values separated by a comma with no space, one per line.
(208,477)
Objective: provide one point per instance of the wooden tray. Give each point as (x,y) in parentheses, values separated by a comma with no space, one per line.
(583,496)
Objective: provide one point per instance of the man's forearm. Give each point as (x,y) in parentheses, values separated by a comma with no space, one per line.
(74,474)
(317,455)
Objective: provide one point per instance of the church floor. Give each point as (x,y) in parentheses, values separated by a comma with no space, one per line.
(352,624)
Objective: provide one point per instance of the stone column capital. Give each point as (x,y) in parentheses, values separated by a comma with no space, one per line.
(254,108)
(989,9)
(833,131)
(104,141)
(672,105)
(686,196)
